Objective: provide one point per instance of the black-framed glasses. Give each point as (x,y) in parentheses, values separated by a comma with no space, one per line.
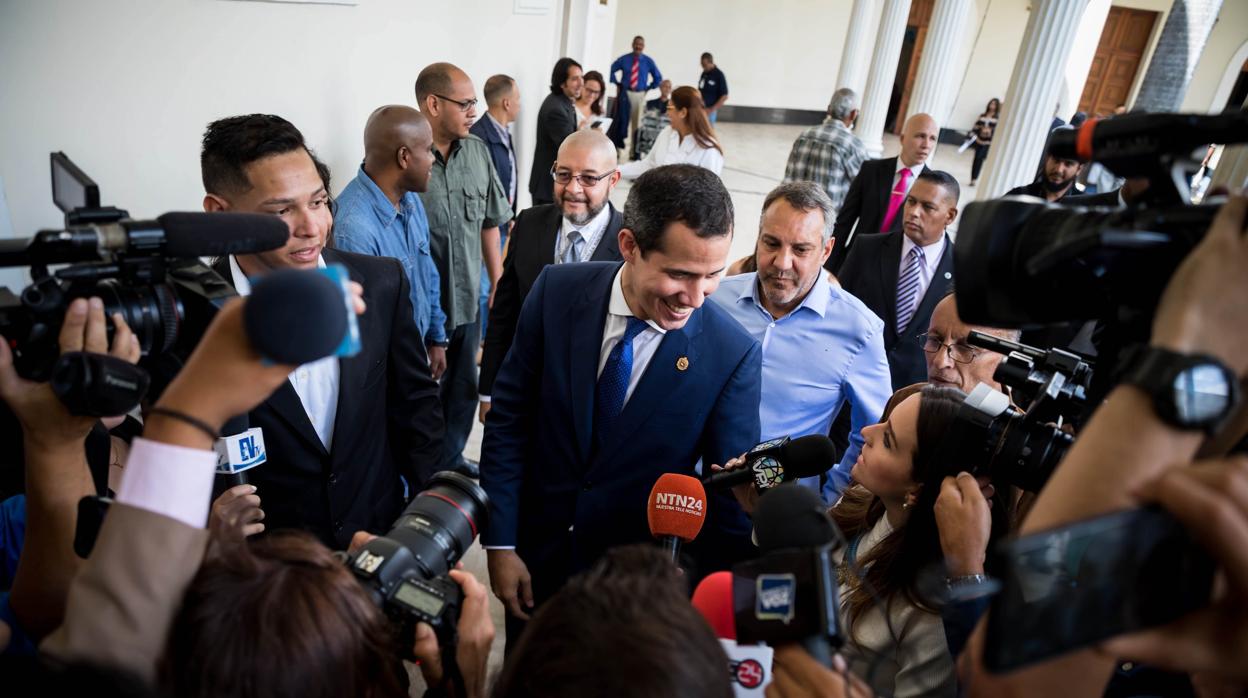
(961,353)
(464,106)
(587,181)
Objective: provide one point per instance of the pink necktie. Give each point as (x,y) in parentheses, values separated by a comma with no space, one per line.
(635,73)
(895,200)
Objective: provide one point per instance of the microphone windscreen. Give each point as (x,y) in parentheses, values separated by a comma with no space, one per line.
(808,456)
(677,507)
(792,516)
(295,316)
(713,599)
(220,234)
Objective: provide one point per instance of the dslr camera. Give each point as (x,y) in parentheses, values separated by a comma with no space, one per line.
(148,271)
(405,570)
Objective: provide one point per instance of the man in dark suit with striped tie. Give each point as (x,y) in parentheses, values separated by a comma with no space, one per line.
(903,277)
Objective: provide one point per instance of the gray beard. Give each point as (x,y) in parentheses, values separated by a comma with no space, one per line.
(589,215)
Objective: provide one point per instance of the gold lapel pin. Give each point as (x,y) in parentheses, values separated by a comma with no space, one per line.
(682,363)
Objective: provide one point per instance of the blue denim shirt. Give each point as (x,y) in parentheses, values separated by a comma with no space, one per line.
(366,222)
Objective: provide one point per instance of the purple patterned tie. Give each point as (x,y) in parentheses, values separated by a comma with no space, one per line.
(908,289)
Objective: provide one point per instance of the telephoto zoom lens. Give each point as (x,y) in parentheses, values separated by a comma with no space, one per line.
(441,522)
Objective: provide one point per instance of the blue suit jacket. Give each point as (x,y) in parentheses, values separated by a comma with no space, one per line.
(557,498)
(485,130)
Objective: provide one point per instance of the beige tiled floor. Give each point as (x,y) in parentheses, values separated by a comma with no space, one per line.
(754,163)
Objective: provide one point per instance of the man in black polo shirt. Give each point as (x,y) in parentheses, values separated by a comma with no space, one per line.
(713,86)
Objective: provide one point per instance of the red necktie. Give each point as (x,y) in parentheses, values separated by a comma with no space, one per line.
(636,72)
(896,199)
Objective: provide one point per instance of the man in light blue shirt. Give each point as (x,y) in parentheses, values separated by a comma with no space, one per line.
(380,214)
(821,345)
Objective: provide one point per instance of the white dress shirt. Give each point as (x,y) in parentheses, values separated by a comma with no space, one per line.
(169,480)
(316,383)
(914,174)
(591,233)
(644,344)
(670,149)
(927,263)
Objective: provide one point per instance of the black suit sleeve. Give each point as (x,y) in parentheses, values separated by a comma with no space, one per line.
(503,316)
(413,409)
(851,209)
(558,125)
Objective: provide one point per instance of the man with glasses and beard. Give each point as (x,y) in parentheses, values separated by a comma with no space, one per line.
(801,320)
(465,203)
(581,226)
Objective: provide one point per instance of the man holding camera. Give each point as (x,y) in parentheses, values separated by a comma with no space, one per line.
(339,458)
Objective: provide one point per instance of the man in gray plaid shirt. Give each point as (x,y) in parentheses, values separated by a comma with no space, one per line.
(829,154)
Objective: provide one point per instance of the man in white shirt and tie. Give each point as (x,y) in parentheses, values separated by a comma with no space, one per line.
(581,226)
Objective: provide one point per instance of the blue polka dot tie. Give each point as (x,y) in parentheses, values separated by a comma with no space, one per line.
(613,383)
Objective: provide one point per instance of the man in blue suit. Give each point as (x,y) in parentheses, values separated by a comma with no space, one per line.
(619,373)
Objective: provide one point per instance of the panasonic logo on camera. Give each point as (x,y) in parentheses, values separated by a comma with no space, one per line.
(670,501)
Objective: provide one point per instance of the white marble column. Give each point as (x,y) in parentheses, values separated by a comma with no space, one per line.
(879,86)
(1035,83)
(1232,169)
(859,40)
(935,85)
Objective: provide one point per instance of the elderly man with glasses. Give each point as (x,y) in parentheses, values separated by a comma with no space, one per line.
(952,362)
(465,203)
(581,226)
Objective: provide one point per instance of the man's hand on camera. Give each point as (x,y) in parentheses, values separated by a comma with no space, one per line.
(747,494)
(509,577)
(1211,499)
(964,522)
(795,674)
(475,633)
(1203,309)
(46,421)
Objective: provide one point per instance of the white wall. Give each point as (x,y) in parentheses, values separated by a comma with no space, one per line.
(996,40)
(780,53)
(591,33)
(126,87)
(1228,37)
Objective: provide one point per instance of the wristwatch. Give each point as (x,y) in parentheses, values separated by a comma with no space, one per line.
(1189,391)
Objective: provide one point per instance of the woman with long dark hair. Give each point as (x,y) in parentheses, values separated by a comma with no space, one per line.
(984,128)
(892,568)
(589,105)
(689,139)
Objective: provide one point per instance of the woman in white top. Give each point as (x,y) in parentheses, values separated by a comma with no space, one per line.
(589,106)
(689,139)
(893,561)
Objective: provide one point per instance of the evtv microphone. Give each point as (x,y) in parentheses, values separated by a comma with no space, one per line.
(240,448)
(295,316)
(779,460)
(749,666)
(676,511)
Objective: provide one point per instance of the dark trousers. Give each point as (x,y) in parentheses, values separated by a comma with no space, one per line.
(459,391)
(981,154)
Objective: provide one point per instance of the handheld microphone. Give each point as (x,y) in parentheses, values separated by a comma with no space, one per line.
(676,511)
(239,449)
(295,316)
(790,594)
(749,666)
(779,460)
